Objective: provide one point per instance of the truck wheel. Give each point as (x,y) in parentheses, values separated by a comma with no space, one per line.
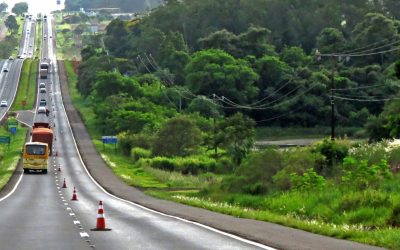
(44,171)
(26,171)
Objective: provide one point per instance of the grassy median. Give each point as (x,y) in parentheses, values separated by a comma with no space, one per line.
(27,86)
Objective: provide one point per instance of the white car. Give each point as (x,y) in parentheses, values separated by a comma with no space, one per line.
(42,85)
(5,69)
(41,110)
(10,58)
(42,90)
(3,104)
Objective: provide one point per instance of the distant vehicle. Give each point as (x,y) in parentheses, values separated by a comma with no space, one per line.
(41,110)
(44,69)
(42,85)
(10,58)
(5,69)
(3,103)
(42,90)
(42,103)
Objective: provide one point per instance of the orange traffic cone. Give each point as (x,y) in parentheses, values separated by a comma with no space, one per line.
(65,184)
(74,196)
(101,221)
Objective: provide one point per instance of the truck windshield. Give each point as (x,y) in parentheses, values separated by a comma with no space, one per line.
(35,149)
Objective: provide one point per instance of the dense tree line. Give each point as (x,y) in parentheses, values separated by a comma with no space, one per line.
(259,58)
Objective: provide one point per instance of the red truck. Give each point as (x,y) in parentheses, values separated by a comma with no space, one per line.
(42,132)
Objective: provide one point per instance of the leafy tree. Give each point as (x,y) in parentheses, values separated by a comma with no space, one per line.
(331,40)
(113,83)
(236,134)
(116,37)
(11,23)
(20,8)
(272,71)
(87,72)
(295,57)
(3,6)
(178,137)
(216,72)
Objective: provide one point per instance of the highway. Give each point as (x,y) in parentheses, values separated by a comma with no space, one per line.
(9,80)
(38,214)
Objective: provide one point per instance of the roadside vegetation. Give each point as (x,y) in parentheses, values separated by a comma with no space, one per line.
(10,155)
(27,86)
(186,101)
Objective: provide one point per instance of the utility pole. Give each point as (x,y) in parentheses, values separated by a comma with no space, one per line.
(215,128)
(333,122)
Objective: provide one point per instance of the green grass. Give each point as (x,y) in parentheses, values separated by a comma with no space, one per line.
(27,86)
(385,237)
(38,39)
(10,155)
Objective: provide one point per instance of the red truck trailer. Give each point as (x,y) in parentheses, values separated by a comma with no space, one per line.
(42,132)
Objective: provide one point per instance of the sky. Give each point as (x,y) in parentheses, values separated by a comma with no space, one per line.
(37,6)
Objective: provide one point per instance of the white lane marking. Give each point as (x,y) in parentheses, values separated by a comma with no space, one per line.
(71,214)
(66,204)
(68,208)
(14,188)
(77,222)
(84,234)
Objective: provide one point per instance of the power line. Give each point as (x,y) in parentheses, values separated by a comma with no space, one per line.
(365,47)
(366,100)
(368,50)
(361,87)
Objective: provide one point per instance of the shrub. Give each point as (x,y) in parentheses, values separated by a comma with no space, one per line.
(128,141)
(334,152)
(138,153)
(255,174)
(361,175)
(295,160)
(178,137)
(189,165)
(309,181)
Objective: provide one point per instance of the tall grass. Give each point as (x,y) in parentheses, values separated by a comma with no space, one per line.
(27,86)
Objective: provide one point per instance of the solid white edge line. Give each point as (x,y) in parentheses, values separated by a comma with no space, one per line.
(143,207)
(14,188)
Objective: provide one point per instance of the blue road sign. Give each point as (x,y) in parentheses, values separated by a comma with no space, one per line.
(13,130)
(109,139)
